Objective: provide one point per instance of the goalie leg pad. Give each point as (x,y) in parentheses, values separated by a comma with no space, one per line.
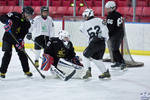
(47,61)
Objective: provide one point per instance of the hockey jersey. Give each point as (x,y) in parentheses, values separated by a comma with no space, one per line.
(57,49)
(94,27)
(42,26)
(115,25)
(19,28)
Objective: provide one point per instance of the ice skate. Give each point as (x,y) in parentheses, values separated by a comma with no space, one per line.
(117,64)
(105,75)
(29,74)
(36,63)
(88,74)
(2,75)
(123,66)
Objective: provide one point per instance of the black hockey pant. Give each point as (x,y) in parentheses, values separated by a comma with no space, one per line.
(115,45)
(7,48)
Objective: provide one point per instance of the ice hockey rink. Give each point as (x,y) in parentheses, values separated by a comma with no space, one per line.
(133,84)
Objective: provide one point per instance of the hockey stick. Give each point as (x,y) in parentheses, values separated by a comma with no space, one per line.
(62,75)
(69,64)
(27,55)
(37,43)
(86,3)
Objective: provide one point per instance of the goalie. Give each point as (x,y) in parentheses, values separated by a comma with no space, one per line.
(60,47)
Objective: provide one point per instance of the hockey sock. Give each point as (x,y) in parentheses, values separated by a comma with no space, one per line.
(86,63)
(100,65)
(37,56)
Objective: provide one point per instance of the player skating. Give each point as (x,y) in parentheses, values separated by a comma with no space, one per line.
(97,33)
(17,24)
(42,29)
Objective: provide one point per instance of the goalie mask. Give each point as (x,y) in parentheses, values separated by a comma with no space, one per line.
(64,36)
(110,6)
(88,13)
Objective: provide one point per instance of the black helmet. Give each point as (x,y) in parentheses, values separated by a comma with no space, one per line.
(44,8)
(28,10)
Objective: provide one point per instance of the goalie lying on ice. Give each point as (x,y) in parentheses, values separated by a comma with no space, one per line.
(61,47)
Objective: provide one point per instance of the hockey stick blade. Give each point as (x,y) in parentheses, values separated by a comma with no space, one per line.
(70,75)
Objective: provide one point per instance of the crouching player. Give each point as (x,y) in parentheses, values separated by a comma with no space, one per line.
(60,47)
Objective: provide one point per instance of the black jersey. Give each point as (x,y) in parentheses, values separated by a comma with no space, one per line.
(115,24)
(57,49)
(19,27)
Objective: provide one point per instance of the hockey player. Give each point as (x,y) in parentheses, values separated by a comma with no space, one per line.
(116,33)
(42,29)
(59,47)
(17,24)
(97,33)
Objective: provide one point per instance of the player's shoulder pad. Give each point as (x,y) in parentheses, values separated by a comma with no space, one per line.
(70,43)
(14,14)
(118,14)
(54,39)
(49,17)
(36,18)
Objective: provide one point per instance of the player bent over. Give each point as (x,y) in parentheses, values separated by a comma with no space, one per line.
(97,33)
(59,47)
(18,25)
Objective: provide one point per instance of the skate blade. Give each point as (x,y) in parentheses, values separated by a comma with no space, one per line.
(105,79)
(125,69)
(87,79)
(119,68)
(2,79)
(116,68)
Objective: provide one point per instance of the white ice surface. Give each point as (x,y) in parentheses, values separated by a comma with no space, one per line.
(122,86)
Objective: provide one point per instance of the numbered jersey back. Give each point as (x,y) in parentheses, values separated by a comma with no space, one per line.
(94,28)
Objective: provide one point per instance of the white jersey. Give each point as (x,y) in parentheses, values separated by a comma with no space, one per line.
(42,26)
(94,28)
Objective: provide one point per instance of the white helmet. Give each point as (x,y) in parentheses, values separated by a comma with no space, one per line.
(87,13)
(111,4)
(62,34)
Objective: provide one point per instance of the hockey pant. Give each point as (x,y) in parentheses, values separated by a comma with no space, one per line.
(7,48)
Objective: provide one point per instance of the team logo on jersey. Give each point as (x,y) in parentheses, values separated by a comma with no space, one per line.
(61,53)
(18,30)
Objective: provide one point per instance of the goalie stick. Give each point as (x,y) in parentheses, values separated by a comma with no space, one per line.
(62,75)
(69,64)
(43,76)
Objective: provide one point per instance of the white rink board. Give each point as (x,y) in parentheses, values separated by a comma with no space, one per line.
(138,35)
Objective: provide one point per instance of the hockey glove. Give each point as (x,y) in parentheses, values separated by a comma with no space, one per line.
(20,45)
(76,60)
(29,36)
(8,25)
